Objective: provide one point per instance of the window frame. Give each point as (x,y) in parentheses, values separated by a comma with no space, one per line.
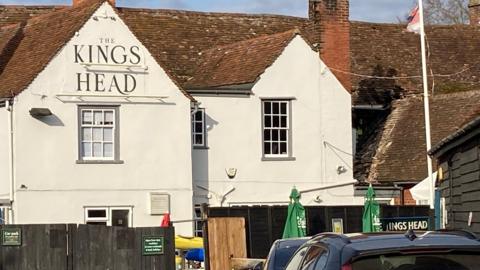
(109,215)
(203,133)
(289,141)
(96,219)
(197,224)
(115,159)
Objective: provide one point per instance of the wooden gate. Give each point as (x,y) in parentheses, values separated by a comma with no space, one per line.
(226,240)
(84,247)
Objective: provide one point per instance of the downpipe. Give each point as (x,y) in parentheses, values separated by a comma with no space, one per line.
(9,107)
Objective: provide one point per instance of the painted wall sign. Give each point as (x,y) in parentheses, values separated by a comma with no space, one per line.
(11,237)
(152,245)
(405,223)
(102,61)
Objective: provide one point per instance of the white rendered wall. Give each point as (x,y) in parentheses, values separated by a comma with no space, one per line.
(154,142)
(4,161)
(321,137)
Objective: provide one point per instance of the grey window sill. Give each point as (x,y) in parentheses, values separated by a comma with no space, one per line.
(278,158)
(100,162)
(201,147)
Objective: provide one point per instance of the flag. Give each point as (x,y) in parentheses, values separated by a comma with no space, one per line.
(414,21)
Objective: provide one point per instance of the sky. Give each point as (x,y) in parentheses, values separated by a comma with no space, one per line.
(360,10)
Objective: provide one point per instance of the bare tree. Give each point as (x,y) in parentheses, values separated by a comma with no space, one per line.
(446,11)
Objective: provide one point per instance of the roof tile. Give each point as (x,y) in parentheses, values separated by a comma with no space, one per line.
(400,150)
(42,38)
(239,63)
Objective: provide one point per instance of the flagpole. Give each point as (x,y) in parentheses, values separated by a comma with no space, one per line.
(426,106)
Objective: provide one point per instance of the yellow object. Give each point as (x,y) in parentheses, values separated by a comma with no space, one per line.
(178,260)
(185,243)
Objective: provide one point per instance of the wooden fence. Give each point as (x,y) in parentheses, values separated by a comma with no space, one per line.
(85,247)
(264,224)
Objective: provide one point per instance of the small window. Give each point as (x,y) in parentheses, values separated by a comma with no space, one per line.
(276,128)
(109,216)
(98,133)
(198,228)
(198,128)
(96,216)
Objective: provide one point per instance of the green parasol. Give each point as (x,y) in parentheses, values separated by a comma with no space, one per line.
(371,212)
(295,225)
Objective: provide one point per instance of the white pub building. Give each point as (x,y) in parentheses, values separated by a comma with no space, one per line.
(116,116)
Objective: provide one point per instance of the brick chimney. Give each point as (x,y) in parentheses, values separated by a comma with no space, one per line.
(330,19)
(474,12)
(78,2)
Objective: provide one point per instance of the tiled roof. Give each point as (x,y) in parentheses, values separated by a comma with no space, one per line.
(387,50)
(9,36)
(239,63)
(41,39)
(17,14)
(175,38)
(399,151)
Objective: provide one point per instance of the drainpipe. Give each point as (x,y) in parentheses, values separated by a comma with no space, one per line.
(9,107)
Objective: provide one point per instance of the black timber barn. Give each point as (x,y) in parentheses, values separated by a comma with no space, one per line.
(458,156)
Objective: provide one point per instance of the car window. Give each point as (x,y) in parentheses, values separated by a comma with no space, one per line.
(296,260)
(313,257)
(283,255)
(322,261)
(455,261)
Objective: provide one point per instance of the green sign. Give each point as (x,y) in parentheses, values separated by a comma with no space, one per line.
(152,245)
(11,237)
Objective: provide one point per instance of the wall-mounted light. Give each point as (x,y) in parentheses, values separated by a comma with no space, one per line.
(40,112)
(231,172)
(341,169)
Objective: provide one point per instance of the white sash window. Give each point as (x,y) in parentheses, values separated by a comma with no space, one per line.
(98,133)
(276,128)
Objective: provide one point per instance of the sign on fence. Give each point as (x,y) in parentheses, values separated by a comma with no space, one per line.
(11,237)
(152,245)
(405,223)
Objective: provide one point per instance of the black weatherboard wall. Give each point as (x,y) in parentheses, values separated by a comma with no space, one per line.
(264,224)
(459,182)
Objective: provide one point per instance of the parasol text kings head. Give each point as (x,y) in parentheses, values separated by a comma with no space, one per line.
(101,63)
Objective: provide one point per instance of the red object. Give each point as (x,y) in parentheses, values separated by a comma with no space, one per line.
(166,220)
(414,21)
(347,267)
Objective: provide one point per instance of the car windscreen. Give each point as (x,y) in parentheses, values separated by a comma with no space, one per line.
(424,261)
(283,255)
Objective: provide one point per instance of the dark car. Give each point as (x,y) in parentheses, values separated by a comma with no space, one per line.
(436,250)
(281,252)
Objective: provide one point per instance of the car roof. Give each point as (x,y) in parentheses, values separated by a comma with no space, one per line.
(400,241)
(369,242)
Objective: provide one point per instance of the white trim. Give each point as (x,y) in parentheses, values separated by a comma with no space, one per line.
(102,126)
(96,219)
(108,214)
(272,128)
(194,131)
